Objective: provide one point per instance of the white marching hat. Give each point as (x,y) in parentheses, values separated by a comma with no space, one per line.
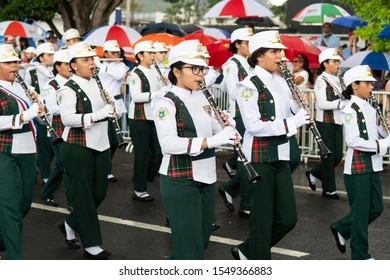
(70,34)
(205,52)
(61,56)
(80,49)
(30,50)
(243,34)
(160,47)
(329,53)
(111,46)
(284,58)
(45,48)
(8,54)
(188,52)
(265,39)
(358,73)
(144,46)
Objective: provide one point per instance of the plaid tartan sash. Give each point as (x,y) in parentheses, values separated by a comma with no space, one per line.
(34,80)
(361,161)
(139,111)
(56,122)
(181,165)
(76,135)
(265,149)
(9,106)
(242,74)
(328,115)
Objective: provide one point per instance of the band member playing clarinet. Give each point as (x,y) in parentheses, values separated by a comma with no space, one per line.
(188,133)
(265,103)
(85,153)
(367,143)
(17,154)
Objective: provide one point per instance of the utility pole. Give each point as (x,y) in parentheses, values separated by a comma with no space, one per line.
(128,12)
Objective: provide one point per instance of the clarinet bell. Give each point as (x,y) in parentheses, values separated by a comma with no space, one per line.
(324,151)
(253,177)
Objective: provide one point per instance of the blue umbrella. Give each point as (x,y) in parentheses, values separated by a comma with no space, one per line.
(385,33)
(376,61)
(349,21)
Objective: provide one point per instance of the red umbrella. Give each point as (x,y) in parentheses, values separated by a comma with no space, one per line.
(126,36)
(169,39)
(296,45)
(219,52)
(238,9)
(18,28)
(204,39)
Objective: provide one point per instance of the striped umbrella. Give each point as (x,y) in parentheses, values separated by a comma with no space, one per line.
(319,13)
(125,36)
(238,9)
(19,28)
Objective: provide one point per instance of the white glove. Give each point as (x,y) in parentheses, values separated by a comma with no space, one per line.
(30,113)
(230,119)
(301,118)
(226,136)
(106,112)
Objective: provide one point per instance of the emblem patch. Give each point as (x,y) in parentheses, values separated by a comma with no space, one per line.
(208,110)
(133,81)
(319,85)
(348,118)
(162,113)
(247,94)
(60,97)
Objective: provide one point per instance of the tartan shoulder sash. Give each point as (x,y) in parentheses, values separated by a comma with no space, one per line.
(242,74)
(139,110)
(331,95)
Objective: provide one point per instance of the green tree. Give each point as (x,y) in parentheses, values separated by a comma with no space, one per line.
(280,11)
(188,11)
(377,14)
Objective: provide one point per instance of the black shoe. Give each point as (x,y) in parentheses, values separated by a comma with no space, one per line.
(103,255)
(235,253)
(50,202)
(142,198)
(230,172)
(330,196)
(311,185)
(228,205)
(215,226)
(69,207)
(243,213)
(336,236)
(111,178)
(73,243)
(167,222)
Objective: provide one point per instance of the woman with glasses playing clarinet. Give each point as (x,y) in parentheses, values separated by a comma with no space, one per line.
(327,90)
(266,103)
(85,154)
(17,154)
(367,143)
(145,85)
(188,133)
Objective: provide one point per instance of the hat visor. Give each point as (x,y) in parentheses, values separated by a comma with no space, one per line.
(194,61)
(112,50)
(10,59)
(367,79)
(243,38)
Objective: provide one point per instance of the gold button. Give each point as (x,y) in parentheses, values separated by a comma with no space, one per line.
(363,120)
(364,131)
(85,99)
(271,101)
(273,117)
(359,110)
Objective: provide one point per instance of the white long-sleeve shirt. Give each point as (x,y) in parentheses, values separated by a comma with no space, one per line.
(44,75)
(49,95)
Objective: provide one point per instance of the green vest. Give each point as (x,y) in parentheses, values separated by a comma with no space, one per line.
(139,111)
(242,74)
(265,149)
(34,80)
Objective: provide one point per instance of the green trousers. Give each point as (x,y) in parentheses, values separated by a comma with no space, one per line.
(45,152)
(272,209)
(113,142)
(295,153)
(16,192)
(190,208)
(147,153)
(365,205)
(87,170)
(332,135)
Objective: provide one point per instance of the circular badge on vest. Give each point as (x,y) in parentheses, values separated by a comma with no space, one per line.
(247,94)
(162,113)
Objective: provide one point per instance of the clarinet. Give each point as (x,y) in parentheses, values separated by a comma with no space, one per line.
(53,135)
(114,120)
(253,177)
(159,73)
(324,151)
(382,120)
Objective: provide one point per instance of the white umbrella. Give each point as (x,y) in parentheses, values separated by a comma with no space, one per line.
(319,13)
(19,28)
(238,9)
(376,61)
(126,36)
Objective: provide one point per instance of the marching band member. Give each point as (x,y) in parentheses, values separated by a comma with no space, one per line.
(188,133)
(85,154)
(363,163)
(212,75)
(62,72)
(265,104)
(161,57)
(17,154)
(144,85)
(71,37)
(234,71)
(327,90)
(38,76)
(112,74)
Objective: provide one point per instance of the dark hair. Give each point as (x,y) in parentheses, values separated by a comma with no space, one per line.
(348,92)
(252,60)
(137,60)
(70,64)
(55,71)
(39,57)
(172,78)
(327,24)
(305,66)
(232,47)
(322,67)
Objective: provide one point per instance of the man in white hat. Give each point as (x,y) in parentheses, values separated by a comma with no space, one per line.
(38,76)
(235,69)
(112,73)
(71,37)
(266,104)
(17,153)
(62,72)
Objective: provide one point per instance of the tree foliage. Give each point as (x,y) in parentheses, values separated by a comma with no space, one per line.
(377,14)
(29,10)
(191,11)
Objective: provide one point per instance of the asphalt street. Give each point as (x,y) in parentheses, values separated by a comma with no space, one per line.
(134,230)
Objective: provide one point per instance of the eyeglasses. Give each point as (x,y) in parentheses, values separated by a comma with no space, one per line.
(196,69)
